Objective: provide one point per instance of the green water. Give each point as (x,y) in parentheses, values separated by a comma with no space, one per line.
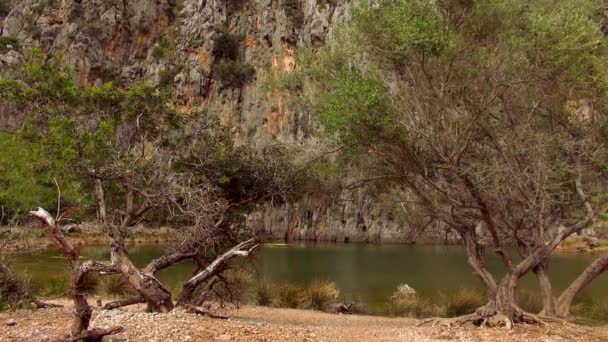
(364,273)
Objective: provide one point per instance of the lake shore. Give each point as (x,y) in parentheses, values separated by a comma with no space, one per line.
(27,238)
(253,323)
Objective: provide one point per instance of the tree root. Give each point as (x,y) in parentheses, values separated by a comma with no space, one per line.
(44,305)
(204,312)
(95,335)
(449,322)
(494,320)
(121,303)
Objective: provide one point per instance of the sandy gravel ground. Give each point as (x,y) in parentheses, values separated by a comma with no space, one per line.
(270,324)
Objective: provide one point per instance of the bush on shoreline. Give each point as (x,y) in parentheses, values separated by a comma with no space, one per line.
(319,295)
(287,296)
(14,290)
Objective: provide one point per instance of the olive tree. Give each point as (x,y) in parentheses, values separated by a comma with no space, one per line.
(490,115)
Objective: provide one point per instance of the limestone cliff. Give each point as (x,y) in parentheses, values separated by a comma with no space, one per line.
(173,44)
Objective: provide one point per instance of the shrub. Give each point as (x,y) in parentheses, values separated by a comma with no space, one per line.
(56,286)
(405,302)
(162,49)
(288,295)
(158,52)
(5,7)
(319,295)
(116,285)
(234,74)
(461,301)
(227,45)
(263,294)
(8,41)
(14,290)
(91,284)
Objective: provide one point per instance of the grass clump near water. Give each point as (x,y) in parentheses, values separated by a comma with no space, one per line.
(116,285)
(530,301)
(591,311)
(461,301)
(319,295)
(288,295)
(14,289)
(405,302)
(264,294)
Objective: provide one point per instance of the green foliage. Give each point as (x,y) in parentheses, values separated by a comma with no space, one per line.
(227,45)
(287,296)
(401,29)
(437,97)
(234,74)
(5,7)
(163,49)
(6,41)
(21,188)
(577,51)
(70,130)
(319,295)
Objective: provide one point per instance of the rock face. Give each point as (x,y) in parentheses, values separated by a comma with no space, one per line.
(172,43)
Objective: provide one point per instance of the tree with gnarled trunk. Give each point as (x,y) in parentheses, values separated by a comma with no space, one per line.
(82,310)
(486,118)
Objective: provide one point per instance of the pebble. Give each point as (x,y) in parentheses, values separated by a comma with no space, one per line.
(224,337)
(11,322)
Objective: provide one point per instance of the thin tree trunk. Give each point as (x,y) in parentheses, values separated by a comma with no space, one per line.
(564,301)
(100,201)
(475,259)
(542,273)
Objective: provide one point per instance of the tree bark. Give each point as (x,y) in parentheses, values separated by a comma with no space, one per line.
(542,273)
(82,310)
(125,302)
(100,200)
(564,302)
(147,286)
